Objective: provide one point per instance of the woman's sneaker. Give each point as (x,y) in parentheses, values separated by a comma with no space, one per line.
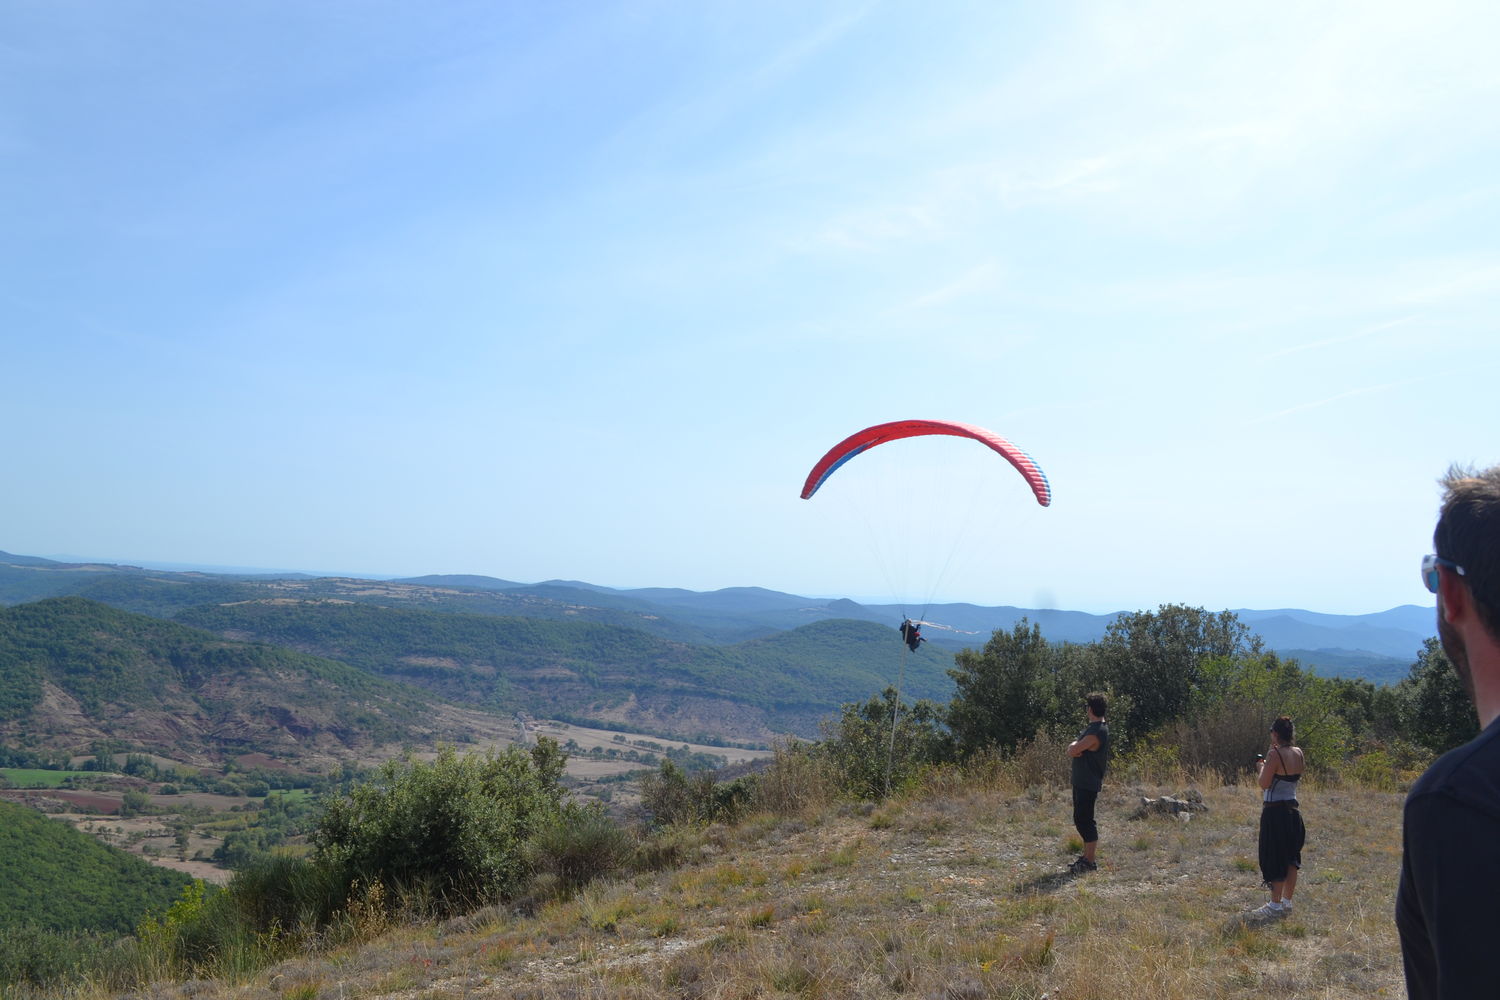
(1268,910)
(1082,865)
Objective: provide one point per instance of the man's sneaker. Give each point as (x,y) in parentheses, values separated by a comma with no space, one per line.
(1082,865)
(1268,911)
(1286,907)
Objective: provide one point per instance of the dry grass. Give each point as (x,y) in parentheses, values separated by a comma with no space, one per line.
(954,891)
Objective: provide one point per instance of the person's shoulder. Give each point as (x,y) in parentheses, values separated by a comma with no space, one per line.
(1469,774)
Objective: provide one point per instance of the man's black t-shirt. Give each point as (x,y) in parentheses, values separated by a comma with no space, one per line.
(1089,767)
(1446,907)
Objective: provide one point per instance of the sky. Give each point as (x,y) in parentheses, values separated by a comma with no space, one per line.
(583,290)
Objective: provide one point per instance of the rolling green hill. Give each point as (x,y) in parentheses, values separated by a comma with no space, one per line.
(1344,645)
(785,682)
(73,671)
(59,879)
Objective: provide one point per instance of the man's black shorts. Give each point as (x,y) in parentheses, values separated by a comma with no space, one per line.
(1083,813)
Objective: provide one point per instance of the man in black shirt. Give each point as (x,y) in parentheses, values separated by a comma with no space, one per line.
(1090,753)
(1450,870)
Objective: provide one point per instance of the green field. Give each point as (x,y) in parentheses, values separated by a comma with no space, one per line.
(33,777)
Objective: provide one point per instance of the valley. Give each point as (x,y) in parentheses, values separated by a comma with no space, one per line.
(184,830)
(214,711)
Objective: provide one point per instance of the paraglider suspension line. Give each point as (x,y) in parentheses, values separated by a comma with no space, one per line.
(890,749)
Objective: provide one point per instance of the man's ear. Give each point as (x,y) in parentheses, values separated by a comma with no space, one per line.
(1453,597)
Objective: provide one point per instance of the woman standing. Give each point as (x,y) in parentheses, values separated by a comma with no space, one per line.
(1281,831)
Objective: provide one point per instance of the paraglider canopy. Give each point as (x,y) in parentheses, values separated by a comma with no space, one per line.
(861,441)
(868,438)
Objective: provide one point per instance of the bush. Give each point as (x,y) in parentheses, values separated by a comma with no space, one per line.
(1041,761)
(800,779)
(870,759)
(672,796)
(578,846)
(279,894)
(1223,737)
(452,831)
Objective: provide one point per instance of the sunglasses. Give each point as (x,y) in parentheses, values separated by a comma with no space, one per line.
(1430,566)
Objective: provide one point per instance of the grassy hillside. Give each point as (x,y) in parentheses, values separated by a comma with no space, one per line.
(585,669)
(73,671)
(955,890)
(61,880)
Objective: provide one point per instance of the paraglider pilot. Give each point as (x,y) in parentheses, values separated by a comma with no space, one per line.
(912,634)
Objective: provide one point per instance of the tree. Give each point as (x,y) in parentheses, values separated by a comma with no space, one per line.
(1436,710)
(134,802)
(1156,658)
(1005,693)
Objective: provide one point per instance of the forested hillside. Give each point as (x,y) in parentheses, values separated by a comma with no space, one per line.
(1377,646)
(58,879)
(785,682)
(73,671)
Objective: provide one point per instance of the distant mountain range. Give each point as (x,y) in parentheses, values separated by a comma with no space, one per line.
(741,663)
(1379,646)
(1398,632)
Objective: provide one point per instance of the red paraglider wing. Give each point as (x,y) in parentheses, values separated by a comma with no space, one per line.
(894,431)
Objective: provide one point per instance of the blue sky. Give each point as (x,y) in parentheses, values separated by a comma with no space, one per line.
(583,290)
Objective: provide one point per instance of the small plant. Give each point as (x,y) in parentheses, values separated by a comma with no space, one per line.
(761,916)
(603,912)
(301,991)
(793,977)
(845,855)
(366,913)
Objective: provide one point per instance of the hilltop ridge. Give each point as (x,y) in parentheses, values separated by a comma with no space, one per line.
(1379,646)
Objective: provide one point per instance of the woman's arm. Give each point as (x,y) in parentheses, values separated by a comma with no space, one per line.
(1269,769)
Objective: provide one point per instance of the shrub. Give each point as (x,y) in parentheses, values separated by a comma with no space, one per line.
(1224,738)
(1376,769)
(1041,761)
(670,796)
(800,779)
(872,759)
(579,845)
(453,830)
(1155,763)
(669,848)
(279,894)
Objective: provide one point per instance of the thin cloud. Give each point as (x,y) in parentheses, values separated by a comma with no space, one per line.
(986,277)
(1481,281)
(1315,404)
(1330,341)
